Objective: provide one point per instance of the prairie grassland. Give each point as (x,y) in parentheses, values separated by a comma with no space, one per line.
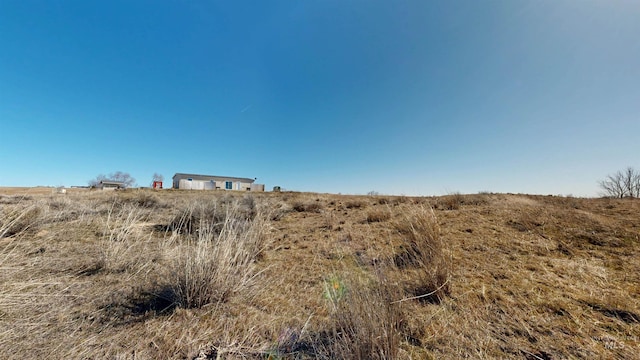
(227,275)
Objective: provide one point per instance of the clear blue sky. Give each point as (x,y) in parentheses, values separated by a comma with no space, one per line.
(401,97)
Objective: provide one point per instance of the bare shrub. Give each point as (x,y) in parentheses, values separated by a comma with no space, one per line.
(383,201)
(217,264)
(247,207)
(279,210)
(421,256)
(378,215)
(622,184)
(450,202)
(477,199)
(355,204)
(399,200)
(307,207)
(147,200)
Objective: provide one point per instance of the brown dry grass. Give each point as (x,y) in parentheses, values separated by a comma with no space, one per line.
(99,275)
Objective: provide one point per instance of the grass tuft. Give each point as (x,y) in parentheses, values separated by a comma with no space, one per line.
(378,215)
(122,244)
(307,207)
(355,204)
(192,217)
(219,262)
(422,255)
(450,202)
(147,200)
(364,324)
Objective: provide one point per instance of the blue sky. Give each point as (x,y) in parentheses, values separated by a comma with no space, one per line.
(400,97)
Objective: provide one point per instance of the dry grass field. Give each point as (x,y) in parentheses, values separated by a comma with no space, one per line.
(225,275)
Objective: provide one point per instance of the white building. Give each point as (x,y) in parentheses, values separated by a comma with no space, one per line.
(211,182)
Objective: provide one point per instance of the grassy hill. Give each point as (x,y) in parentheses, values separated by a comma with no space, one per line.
(217,275)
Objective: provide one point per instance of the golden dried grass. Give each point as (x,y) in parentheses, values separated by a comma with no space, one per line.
(565,287)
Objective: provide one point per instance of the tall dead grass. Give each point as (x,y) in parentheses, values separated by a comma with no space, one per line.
(122,245)
(30,301)
(219,289)
(365,324)
(422,256)
(220,261)
(18,219)
(378,215)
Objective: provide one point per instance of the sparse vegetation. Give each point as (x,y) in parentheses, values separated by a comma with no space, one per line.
(224,275)
(422,253)
(14,221)
(307,206)
(452,201)
(122,242)
(364,324)
(355,204)
(220,262)
(146,199)
(378,215)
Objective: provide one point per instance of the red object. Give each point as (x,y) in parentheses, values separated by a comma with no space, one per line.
(157,185)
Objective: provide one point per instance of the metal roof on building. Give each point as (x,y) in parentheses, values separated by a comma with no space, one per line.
(108,182)
(211,177)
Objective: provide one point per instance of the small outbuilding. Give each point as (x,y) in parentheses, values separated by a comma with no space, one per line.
(110,185)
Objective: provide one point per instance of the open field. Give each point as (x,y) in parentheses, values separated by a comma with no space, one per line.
(229,275)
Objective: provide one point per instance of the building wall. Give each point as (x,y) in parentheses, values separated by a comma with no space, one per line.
(109,187)
(191,185)
(235,184)
(242,186)
(209,185)
(212,183)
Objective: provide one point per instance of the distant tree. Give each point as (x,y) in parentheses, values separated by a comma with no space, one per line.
(120,176)
(157,177)
(123,177)
(622,184)
(96,181)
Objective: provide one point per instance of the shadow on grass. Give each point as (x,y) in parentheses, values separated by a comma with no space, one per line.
(137,308)
(620,314)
